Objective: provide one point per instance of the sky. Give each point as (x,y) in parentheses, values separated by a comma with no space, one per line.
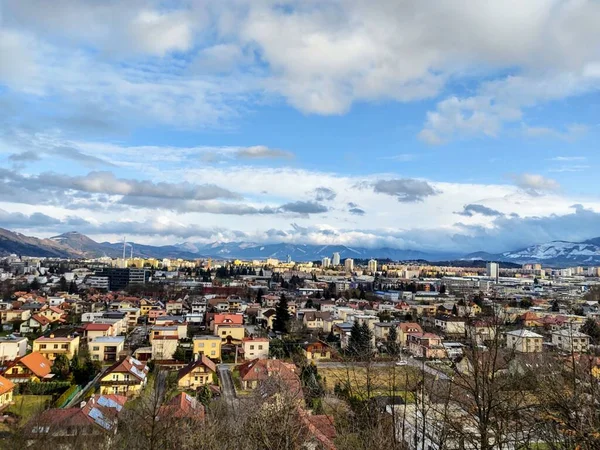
(447,125)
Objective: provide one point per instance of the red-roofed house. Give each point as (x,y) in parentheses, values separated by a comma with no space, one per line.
(426,345)
(53,314)
(182,406)
(35,324)
(226,319)
(254,372)
(31,367)
(94,330)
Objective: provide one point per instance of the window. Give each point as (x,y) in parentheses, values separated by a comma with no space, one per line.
(252,347)
(96,349)
(201,344)
(43,346)
(213,345)
(260,347)
(212,353)
(55,345)
(223,333)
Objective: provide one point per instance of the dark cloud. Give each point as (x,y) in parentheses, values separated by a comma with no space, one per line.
(16,220)
(28,156)
(304,208)
(357,211)
(324,193)
(472,209)
(405,189)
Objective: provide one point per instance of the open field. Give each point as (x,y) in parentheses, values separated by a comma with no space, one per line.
(26,406)
(373,381)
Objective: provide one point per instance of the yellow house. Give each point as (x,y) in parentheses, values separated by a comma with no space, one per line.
(230,332)
(196,374)
(6,392)
(316,350)
(207,345)
(106,348)
(52,346)
(52,313)
(33,367)
(125,377)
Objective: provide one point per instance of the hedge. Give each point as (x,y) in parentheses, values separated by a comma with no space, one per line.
(47,388)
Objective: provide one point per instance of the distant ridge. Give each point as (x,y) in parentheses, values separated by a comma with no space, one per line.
(77,245)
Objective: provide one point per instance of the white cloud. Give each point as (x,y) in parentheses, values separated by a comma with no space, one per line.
(534,182)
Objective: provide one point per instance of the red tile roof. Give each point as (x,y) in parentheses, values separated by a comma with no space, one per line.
(182,406)
(203,361)
(97,327)
(5,385)
(36,363)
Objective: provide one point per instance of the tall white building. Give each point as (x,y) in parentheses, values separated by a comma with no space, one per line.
(325,262)
(492,270)
(372,266)
(336,259)
(349,264)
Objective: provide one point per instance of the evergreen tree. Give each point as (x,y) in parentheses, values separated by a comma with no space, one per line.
(282,316)
(592,329)
(61,367)
(259,296)
(261,273)
(392,346)
(367,340)
(454,310)
(73,287)
(179,354)
(34,285)
(62,285)
(555,306)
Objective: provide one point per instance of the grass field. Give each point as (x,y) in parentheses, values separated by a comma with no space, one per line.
(391,380)
(26,406)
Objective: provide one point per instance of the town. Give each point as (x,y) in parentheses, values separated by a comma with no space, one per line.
(346,348)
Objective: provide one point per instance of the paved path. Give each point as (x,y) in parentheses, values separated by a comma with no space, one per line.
(227,387)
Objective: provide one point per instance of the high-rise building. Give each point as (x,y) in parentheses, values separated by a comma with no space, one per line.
(372,266)
(121,278)
(492,270)
(336,259)
(349,264)
(325,262)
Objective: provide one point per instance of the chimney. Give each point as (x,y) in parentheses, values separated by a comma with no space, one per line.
(52,336)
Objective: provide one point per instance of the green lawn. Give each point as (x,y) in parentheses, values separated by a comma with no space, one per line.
(26,406)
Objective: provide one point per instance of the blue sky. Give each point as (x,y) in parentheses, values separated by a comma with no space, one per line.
(451,125)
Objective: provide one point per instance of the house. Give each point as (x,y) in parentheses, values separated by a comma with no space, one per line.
(450,325)
(97,416)
(182,407)
(314,320)
(207,345)
(92,331)
(12,347)
(405,329)
(469,310)
(174,307)
(127,377)
(257,371)
(524,341)
(316,350)
(196,374)
(426,345)
(32,367)
(173,329)
(53,314)
(106,348)
(6,392)
(382,329)
(131,316)
(14,315)
(35,324)
(226,319)
(52,346)
(530,319)
(571,341)
(255,347)
(154,313)
(481,331)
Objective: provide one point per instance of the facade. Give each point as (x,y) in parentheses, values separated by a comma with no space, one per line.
(126,377)
(571,341)
(230,333)
(92,331)
(492,270)
(315,320)
(524,341)
(106,348)
(53,346)
(196,374)
(255,348)
(450,325)
(325,262)
(335,260)
(209,346)
(119,279)
(12,347)
(164,347)
(349,265)
(372,266)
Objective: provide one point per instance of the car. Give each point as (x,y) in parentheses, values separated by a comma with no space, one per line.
(402,362)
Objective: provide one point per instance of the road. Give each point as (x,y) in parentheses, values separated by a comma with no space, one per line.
(227,387)
(410,361)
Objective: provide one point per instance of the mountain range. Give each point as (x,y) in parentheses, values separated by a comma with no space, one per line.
(77,245)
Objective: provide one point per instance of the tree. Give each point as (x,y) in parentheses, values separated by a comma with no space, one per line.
(179,354)
(61,367)
(454,310)
(73,287)
(526,303)
(392,346)
(63,285)
(592,329)
(443,289)
(360,344)
(555,306)
(34,285)
(259,295)
(282,316)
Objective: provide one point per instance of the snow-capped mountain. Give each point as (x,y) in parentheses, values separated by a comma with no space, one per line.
(558,252)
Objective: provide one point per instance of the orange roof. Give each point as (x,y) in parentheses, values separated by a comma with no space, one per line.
(182,406)
(42,320)
(5,385)
(237,319)
(97,327)
(37,363)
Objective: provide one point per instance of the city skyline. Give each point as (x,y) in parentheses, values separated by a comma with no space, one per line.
(302,122)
